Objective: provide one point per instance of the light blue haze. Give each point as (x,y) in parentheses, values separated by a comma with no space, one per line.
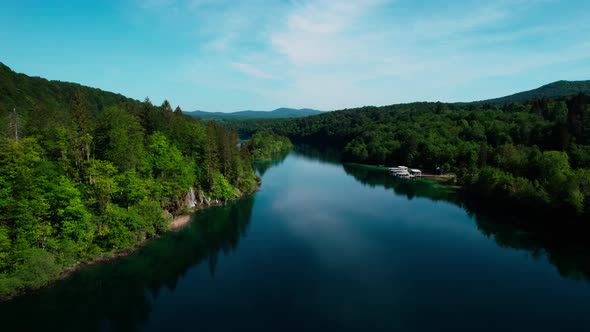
(233,55)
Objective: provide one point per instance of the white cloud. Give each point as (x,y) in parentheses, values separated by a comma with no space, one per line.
(251,70)
(335,54)
(319,32)
(354,55)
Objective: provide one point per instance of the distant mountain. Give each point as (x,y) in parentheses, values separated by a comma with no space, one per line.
(279,113)
(552,90)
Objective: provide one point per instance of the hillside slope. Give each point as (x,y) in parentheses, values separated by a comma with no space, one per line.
(551,90)
(532,157)
(26,93)
(86,173)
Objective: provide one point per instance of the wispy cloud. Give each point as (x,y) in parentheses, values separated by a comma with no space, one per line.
(251,70)
(318,32)
(335,54)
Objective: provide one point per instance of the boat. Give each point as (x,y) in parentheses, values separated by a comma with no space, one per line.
(404,172)
(404,175)
(415,172)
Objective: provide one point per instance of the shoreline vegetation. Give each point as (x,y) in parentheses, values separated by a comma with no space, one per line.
(448,180)
(441,178)
(532,157)
(265,145)
(85,175)
(176,223)
(185,216)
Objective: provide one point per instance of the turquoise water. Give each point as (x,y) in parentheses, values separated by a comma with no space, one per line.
(326,247)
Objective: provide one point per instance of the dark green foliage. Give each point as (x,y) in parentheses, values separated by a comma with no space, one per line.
(264,145)
(119,138)
(91,172)
(38,268)
(552,90)
(532,156)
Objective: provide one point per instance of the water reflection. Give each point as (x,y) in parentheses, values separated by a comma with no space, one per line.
(327,250)
(117,296)
(324,153)
(262,166)
(410,188)
(566,249)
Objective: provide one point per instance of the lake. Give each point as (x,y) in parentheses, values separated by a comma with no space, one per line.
(327,247)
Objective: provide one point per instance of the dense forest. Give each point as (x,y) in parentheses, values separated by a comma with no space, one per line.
(551,90)
(135,283)
(265,145)
(85,173)
(533,156)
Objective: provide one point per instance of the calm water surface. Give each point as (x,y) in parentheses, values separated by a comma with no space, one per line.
(326,247)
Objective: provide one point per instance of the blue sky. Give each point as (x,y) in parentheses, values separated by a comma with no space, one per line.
(229,55)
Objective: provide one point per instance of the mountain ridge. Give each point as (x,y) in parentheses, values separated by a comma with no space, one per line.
(555,89)
(55,94)
(283,112)
(52,94)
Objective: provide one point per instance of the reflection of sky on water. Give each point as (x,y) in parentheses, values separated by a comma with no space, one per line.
(342,221)
(325,247)
(385,248)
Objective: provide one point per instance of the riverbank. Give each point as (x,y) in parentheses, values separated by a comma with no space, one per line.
(449,179)
(525,213)
(179,222)
(183,219)
(265,145)
(344,214)
(175,223)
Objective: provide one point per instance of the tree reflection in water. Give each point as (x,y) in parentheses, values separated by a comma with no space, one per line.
(567,249)
(119,292)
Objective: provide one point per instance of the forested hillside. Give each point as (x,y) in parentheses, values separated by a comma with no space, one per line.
(85,172)
(552,90)
(38,99)
(533,156)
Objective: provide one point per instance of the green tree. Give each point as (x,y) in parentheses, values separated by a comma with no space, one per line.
(100,176)
(119,138)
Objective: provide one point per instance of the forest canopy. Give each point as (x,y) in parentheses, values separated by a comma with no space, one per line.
(533,155)
(265,145)
(85,173)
